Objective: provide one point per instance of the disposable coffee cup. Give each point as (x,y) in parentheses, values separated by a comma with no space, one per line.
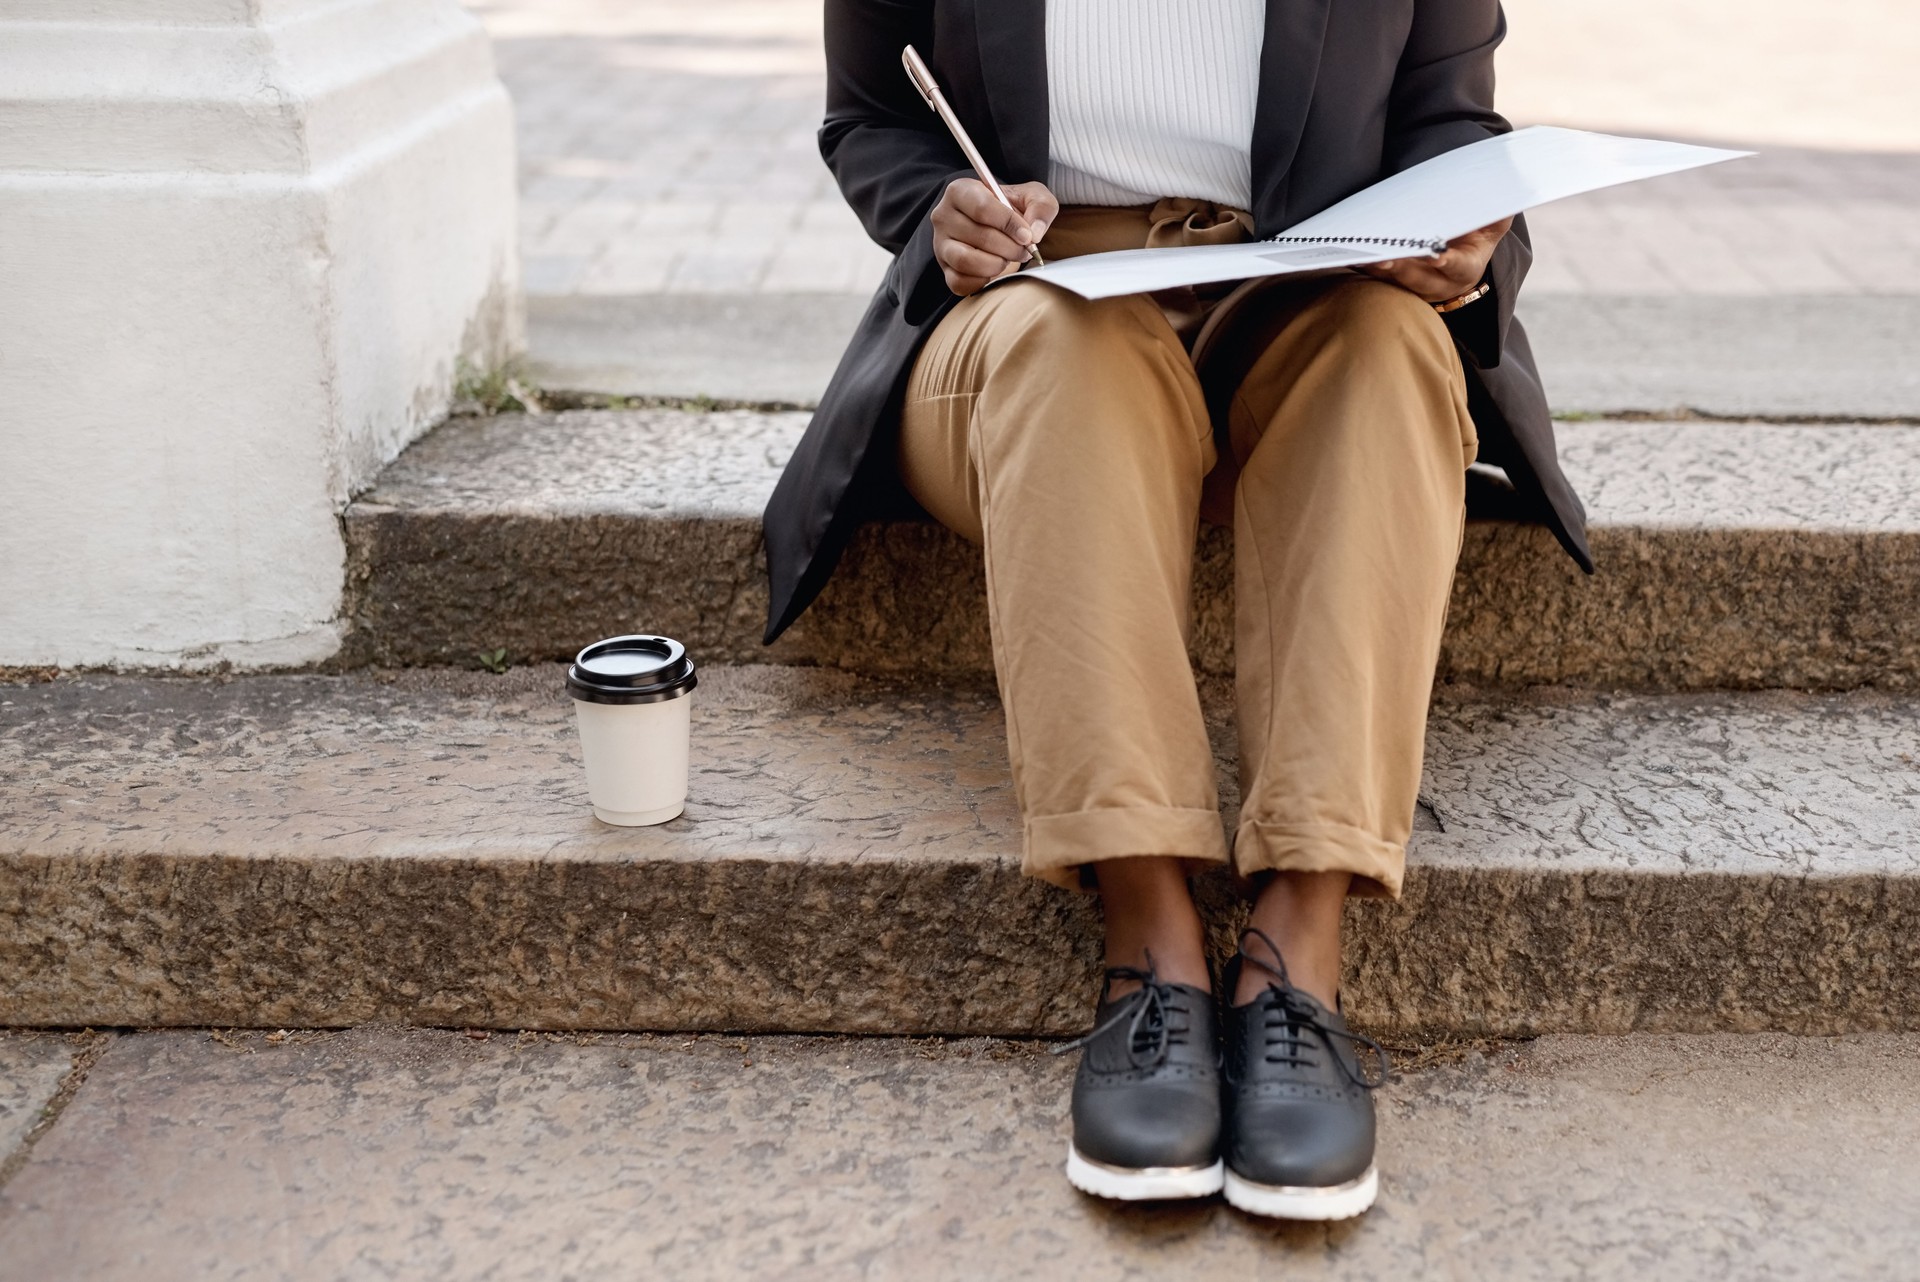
(630,700)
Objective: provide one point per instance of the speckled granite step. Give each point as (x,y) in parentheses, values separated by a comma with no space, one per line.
(1732,555)
(328,850)
(422,1153)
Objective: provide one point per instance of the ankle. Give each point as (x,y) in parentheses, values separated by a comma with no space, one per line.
(1170,963)
(1151,923)
(1320,986)
(1301,913)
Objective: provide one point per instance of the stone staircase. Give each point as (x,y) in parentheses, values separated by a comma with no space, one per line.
(1734,555)
(1681,795)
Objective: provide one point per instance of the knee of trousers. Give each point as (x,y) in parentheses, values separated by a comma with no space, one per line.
(1385,323)
(1381,333)
(1037,331)
(1084,366)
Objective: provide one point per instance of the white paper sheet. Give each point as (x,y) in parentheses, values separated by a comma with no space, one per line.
(1431,203)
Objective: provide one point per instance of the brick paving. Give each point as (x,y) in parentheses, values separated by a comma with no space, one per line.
(668,147)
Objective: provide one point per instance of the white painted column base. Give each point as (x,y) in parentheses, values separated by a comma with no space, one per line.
(245,249)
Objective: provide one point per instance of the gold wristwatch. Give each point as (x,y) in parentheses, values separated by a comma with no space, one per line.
(1473,295)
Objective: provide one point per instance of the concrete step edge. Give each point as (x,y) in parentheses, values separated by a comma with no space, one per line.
(324,851)
(1731,556)
(1812,354)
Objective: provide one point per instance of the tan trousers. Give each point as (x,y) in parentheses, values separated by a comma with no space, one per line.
(1072,440)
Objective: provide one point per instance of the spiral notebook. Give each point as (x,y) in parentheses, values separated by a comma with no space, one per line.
(1412,213)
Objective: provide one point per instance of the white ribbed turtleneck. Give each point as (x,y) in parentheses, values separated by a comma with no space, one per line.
(1152,98)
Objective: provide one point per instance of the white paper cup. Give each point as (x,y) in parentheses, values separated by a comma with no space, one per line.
(631,702)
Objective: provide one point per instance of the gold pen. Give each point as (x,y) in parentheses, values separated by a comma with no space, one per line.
(923,81)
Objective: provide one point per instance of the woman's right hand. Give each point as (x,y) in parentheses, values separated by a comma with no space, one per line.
(975,237)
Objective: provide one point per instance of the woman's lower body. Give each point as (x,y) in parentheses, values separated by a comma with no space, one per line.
(1078,444)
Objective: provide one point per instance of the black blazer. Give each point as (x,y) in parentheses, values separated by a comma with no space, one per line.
(1350,91)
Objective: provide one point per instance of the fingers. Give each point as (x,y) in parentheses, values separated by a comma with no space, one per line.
(971,198)
(1447,268)
(1494,231)
(965,261)
(964,286)
(976,238)
(985,240)
(1433,279)
(1416,274)
(1479,244)
(1036,204)
(968,267)
(964,283)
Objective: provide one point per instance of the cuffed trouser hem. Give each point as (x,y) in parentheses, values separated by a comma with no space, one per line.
(1059,845)
(1378,867)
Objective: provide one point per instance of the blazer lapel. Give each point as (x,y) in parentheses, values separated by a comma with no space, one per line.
(1289,66)
(1013,68)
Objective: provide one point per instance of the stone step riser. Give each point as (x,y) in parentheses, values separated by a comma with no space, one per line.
(751,946)
(416,847)
(1673,610)
(1731,556)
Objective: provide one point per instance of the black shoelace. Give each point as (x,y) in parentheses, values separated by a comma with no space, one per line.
(1291,1015)
(1146,1011)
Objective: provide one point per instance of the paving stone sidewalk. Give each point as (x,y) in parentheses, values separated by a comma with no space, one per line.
(669,147)
(682,238)
(391,1153)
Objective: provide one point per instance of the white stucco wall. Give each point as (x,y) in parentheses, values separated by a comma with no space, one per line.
(243,245)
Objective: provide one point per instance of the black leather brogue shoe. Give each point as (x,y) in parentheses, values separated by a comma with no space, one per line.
(1297,1102)
(1146,1101)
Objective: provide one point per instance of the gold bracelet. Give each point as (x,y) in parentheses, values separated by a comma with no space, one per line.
(1473,295)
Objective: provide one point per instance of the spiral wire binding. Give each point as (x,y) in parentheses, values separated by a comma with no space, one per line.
(1398,242)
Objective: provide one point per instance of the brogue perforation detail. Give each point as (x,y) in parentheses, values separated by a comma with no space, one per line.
(1146,1098)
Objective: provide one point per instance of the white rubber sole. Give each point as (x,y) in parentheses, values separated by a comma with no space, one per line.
(1338,1202)
(1149,1184)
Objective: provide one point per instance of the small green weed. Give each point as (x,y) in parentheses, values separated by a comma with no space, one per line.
(498,389)
(494,661)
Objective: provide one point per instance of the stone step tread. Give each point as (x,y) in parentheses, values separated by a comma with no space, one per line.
(661,463)
(667,463)
(788,764)
(1735,555)
(183,1156)
(330,849)
(817,765)
(1812,355)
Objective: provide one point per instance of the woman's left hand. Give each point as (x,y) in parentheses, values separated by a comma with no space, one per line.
(1453,273)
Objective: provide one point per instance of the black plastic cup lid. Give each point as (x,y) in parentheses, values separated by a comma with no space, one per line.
(639,669)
